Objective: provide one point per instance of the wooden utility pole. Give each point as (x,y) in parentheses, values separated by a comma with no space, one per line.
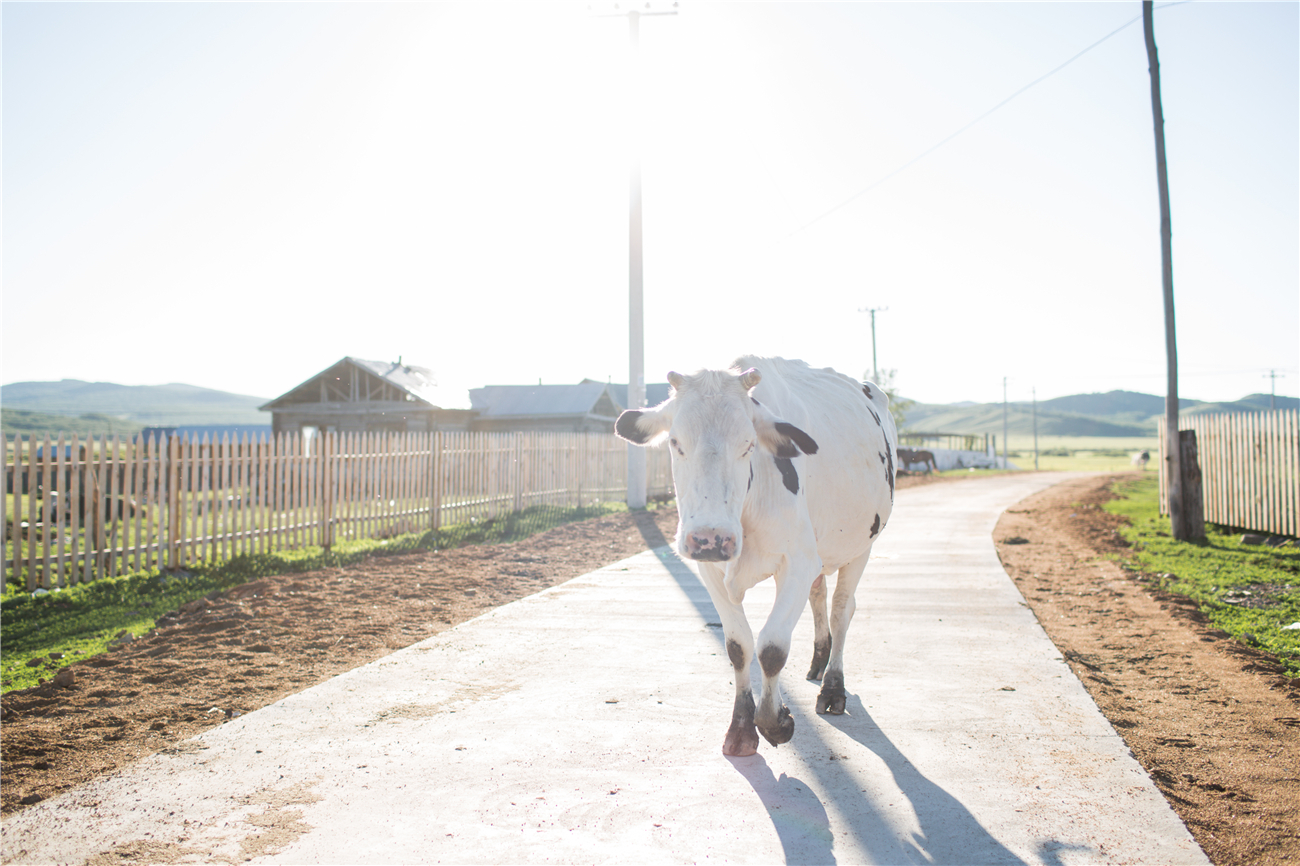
(636,455)
(1034,393)
(1173,442)
(1004,422)
(875,370)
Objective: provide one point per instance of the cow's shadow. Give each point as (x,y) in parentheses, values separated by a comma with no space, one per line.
(949,832)
(799,818)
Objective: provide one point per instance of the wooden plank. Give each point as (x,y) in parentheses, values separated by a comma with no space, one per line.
(138,496)
(30,476)
(75,471)
(266,493)
(62,509)
(47,509)
(1292,448)
(13,538)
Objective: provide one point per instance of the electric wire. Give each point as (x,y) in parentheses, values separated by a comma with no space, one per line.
(857,195)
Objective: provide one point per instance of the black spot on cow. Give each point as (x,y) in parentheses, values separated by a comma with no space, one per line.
(806,444)
(735,653)
(751,478)
(890,471)
(756,403)
(866,389)
(772,659)
(789,477)
(875,527)
(874,415)
(888,459)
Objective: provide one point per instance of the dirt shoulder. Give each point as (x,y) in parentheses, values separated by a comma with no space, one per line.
(1212,721)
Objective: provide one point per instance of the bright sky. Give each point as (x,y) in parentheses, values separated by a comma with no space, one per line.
(236,195)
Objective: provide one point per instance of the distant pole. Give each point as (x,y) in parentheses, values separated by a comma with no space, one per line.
(636,456)
(1173,440)
(1004,421)
(1273,375)
(1034,392)
(875,370)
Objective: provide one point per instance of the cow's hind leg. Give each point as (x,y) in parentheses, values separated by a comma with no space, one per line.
(833,696)
(794,581)
(821,629)
(742,737)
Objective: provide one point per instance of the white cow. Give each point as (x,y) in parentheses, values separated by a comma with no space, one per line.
(751,507)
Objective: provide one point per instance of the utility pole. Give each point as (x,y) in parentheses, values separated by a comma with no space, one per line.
(1034,393)
(1178,522)
(875,371)
(1274,375)
(1004,422)
(636,455)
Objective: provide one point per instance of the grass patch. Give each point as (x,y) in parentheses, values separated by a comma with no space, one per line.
(1250,591)
(81,621)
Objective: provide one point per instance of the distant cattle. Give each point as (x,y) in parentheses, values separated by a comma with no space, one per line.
(1141,459)
(909,456)
(782,471)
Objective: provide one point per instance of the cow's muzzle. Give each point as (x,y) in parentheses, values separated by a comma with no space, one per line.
(710,545)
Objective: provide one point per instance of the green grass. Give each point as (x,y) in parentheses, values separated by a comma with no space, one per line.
(80,622)
(1217,573)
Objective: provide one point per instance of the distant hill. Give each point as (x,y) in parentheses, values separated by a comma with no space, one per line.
(25,424)
(1115,413)
(157,405)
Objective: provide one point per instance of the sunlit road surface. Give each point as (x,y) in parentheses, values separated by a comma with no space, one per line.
(585,724)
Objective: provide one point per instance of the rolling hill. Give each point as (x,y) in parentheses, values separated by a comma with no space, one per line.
(158,405)
(1114,413)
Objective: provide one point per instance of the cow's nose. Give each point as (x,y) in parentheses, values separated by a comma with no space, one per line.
(710,545)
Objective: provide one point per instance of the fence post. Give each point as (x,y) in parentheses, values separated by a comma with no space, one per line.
(1193,511)
(516,474)
(173,501)
(327,491)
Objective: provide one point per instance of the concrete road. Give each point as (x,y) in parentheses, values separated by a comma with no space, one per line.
(585,724)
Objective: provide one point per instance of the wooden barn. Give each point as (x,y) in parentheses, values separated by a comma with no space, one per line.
(359,395)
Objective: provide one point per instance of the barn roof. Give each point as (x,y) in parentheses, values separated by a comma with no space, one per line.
(506,401)
(417,382)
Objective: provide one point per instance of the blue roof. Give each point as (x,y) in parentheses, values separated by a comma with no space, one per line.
(503,401)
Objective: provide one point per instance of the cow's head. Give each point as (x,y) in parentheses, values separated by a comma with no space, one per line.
(713,427)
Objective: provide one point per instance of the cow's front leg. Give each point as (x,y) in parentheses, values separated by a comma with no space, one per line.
(793,582)
(833,696)
(742,738)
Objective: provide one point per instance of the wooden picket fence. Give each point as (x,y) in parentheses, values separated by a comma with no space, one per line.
(76,511)
(1250,469)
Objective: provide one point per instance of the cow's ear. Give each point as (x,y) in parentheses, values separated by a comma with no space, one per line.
(643,426)
(781,437)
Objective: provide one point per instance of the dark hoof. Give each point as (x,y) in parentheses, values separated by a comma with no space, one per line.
(742,740)
(821,655)
(832,697)
(782,731)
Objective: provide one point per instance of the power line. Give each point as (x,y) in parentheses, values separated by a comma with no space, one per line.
(857,195)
